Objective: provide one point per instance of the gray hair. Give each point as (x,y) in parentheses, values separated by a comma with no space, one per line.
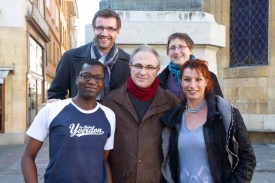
(145,48)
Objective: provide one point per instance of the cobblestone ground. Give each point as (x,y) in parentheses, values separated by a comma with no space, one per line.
(265,168)
(10,170)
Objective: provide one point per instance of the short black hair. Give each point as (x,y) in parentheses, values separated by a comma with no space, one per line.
(91,61)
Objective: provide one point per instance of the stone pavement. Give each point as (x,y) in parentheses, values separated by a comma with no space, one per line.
(10,157)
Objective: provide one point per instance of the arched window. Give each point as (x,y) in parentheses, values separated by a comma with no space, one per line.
(248,32)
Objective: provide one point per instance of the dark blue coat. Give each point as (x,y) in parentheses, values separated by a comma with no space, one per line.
(70,64)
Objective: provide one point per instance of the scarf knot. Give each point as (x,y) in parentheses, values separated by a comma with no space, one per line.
(175,71)
(142,94)
(108,61)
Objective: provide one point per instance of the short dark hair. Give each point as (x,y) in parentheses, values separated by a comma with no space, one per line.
(202,67)
(92,62)
(190,43)
(107,13)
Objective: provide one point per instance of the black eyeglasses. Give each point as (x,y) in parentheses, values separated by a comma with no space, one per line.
(140,67)
(88,77)
(108,29)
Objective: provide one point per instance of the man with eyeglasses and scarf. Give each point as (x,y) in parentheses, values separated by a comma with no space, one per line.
(106,25)
(138,105)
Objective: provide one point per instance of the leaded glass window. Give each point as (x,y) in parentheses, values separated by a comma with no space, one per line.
(248,32)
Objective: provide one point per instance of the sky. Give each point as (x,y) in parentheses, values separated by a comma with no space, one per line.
(86,11)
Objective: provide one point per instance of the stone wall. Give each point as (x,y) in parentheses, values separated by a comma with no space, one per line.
(13,53)
(250,89)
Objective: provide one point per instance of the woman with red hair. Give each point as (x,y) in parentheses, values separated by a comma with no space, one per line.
(205,138)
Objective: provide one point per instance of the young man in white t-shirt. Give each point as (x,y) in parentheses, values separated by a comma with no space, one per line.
(80,130)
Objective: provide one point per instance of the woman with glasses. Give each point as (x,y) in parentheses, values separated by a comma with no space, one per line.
(179,48)
(205,139)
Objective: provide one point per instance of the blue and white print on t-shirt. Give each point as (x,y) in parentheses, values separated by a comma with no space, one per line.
(77,140)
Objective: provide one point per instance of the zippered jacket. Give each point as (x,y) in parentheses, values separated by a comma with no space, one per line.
(137,156)
(230,154)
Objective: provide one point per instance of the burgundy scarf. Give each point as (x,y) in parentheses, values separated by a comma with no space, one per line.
(142,94)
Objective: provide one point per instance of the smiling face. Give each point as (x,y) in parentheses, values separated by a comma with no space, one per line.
(88,87)
(182,52)
(193,84)
(105,38)
(144,78)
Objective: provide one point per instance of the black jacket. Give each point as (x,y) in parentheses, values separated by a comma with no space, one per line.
(69,66)
(164,75)
(230,154)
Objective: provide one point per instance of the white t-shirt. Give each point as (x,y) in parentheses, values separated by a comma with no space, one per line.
(77,140)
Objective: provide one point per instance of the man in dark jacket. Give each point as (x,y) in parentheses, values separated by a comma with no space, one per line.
(106,26)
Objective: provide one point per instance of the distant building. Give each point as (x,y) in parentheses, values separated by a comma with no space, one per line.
(89,34)
(33,35)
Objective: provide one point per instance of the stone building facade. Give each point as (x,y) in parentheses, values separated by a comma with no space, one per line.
(31,43)
(235,36)
(250,87)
